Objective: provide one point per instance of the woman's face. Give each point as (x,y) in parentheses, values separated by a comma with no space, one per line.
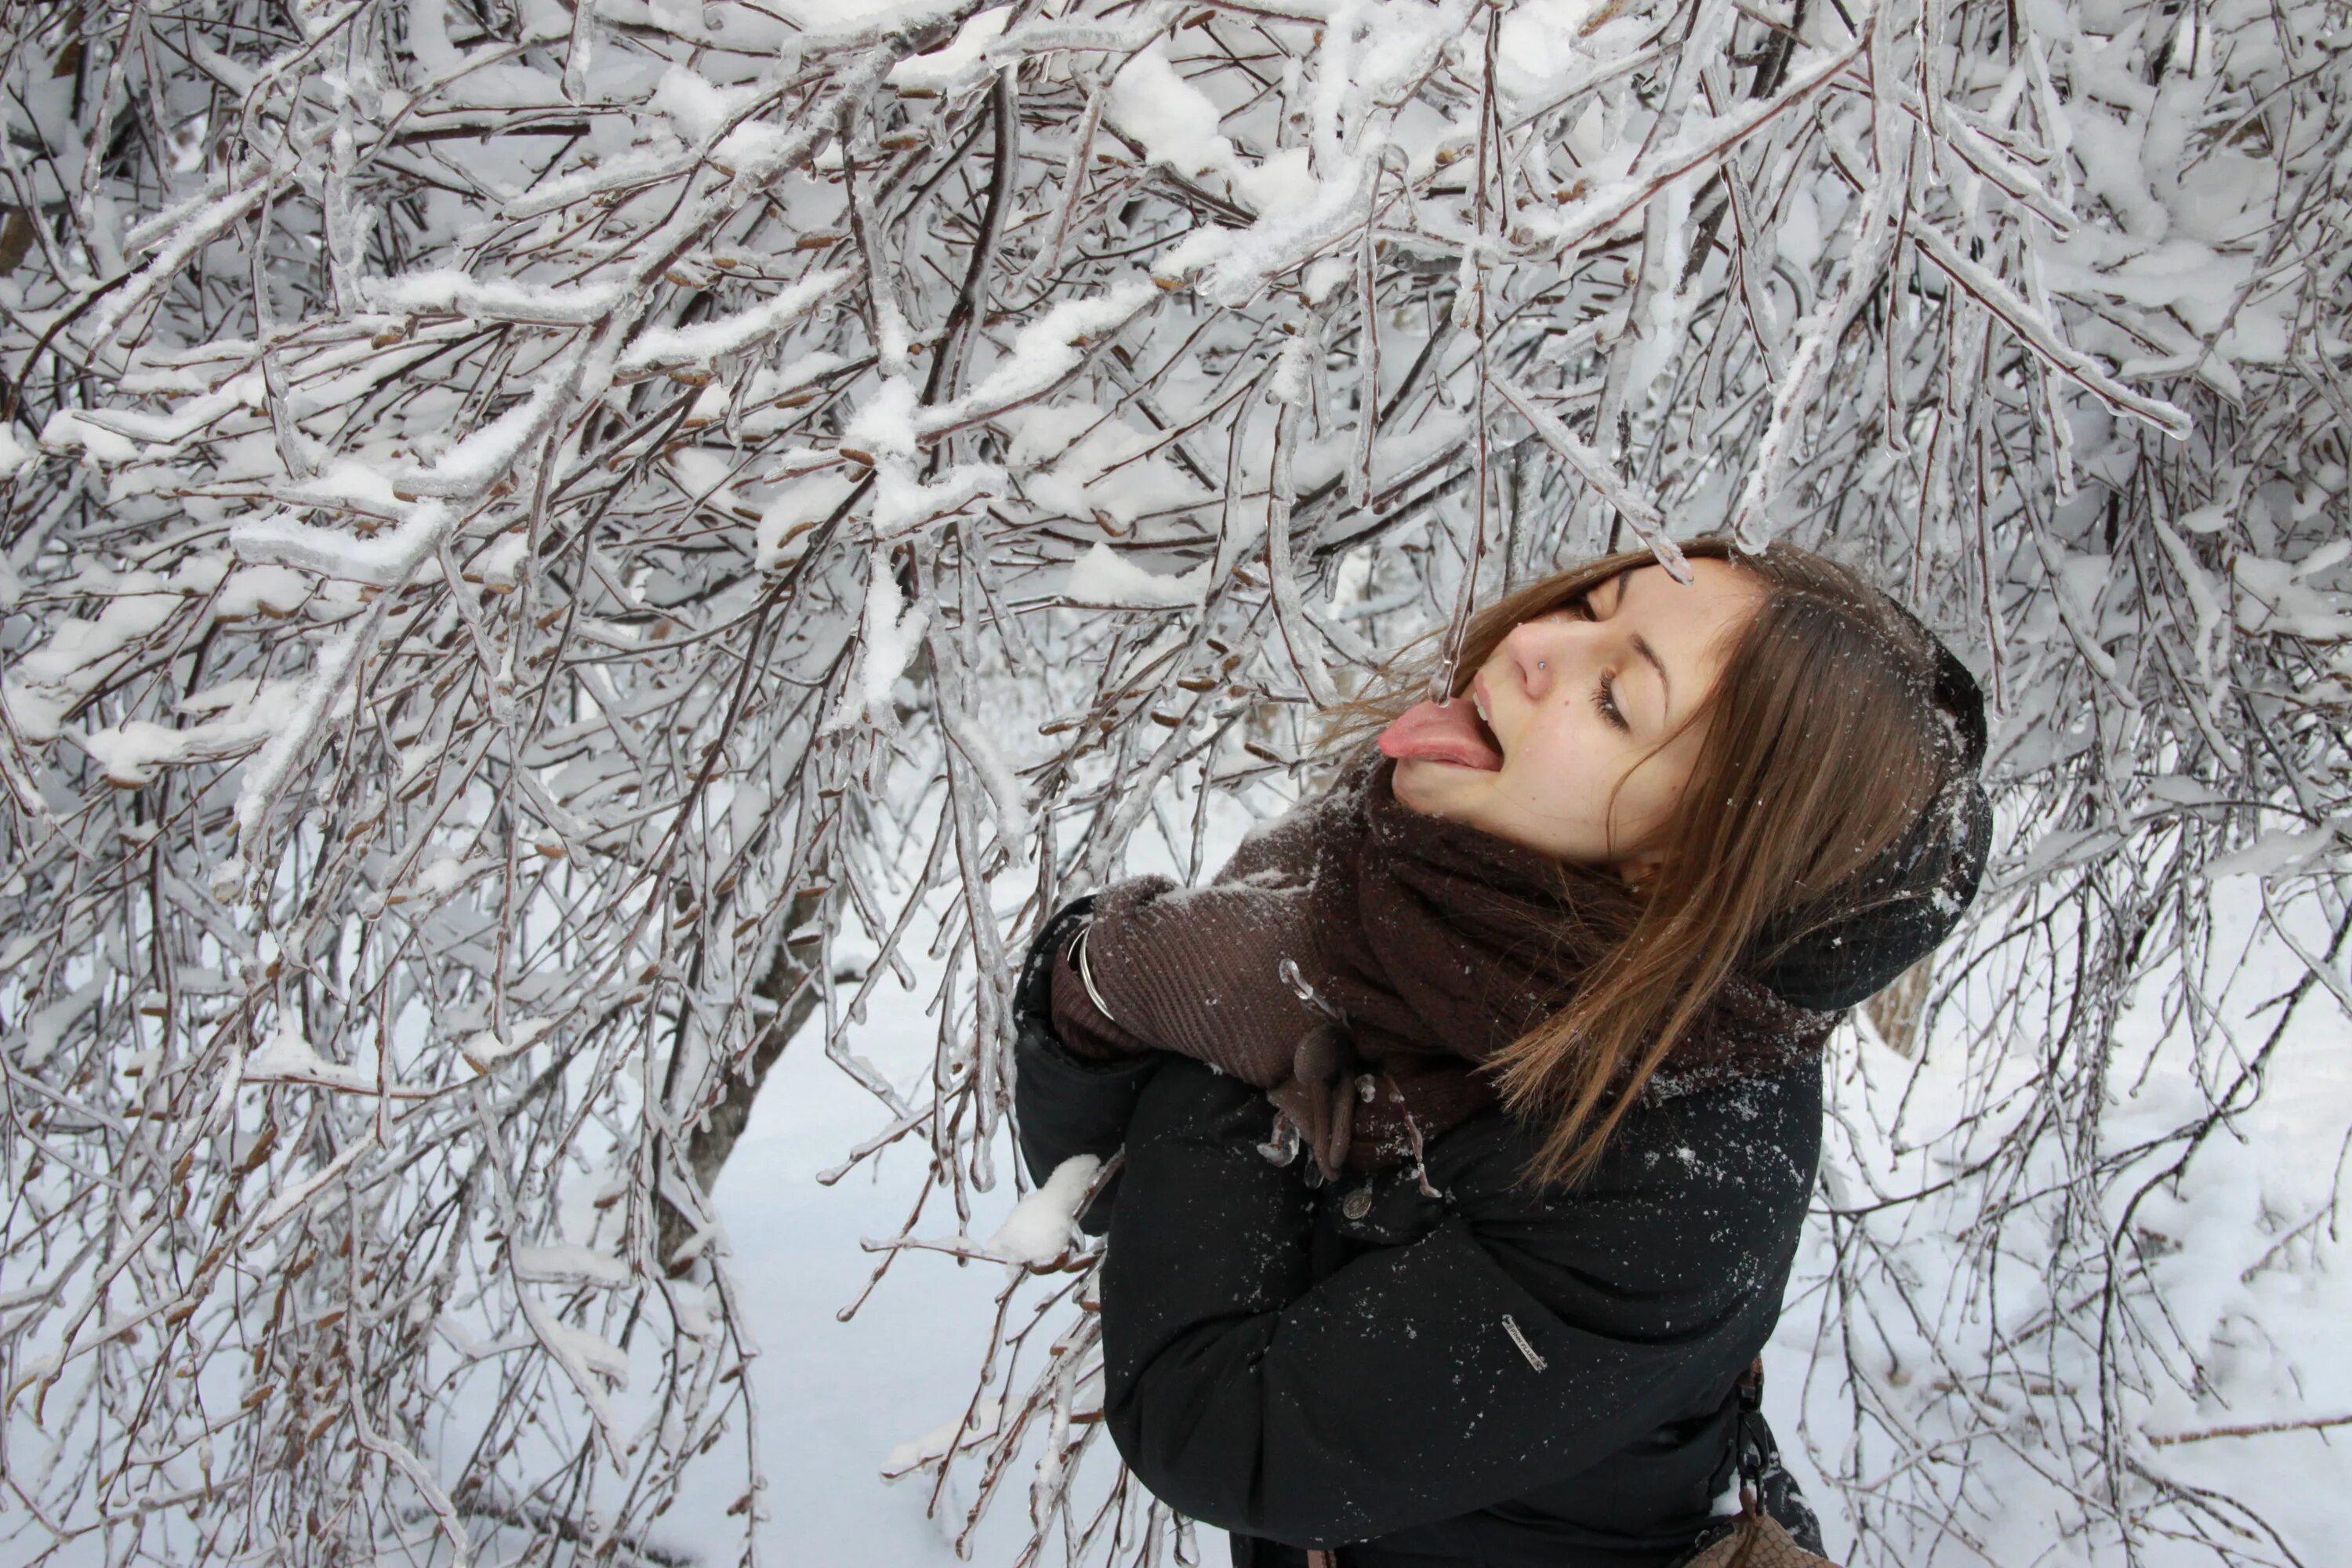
(1577,703)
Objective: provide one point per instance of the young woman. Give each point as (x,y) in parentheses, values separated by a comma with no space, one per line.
(1563,955)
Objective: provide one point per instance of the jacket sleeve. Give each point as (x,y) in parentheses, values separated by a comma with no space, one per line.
(1063,1104)
(1417,1382)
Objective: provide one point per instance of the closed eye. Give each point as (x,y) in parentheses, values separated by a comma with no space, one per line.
(1604,698)
(1604,695)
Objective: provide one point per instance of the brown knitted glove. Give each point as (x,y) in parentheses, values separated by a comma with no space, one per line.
(1320,1095)
(1197,971)
(1085,1029)
(1352,1116)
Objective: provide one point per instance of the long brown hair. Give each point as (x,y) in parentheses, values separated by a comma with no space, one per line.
(1822,748)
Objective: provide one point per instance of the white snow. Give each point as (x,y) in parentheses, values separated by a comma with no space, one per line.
(497,564)
(2275,853)
(890,636)
(320,695)
(885,423)
(2271,598)
(275,591)
(673,348)
(16,457)
(294,1196)
(453,292)
(485,454)
(44,684)
(71,430)
(1105,578)
(485,1050)
(1176,121)
(902,503)
(948,65)
(1041,1225)
(569,1265)
(132,752)
(798,506)
(585,1347)
(700,108)
(961,1432)
(1044,350)
(37,1037)
(287,1056)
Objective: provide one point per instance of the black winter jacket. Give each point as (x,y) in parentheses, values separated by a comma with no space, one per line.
(1493,1376)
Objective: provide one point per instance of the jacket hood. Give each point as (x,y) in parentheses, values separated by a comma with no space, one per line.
(1909,900)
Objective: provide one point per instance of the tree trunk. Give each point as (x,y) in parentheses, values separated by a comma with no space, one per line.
(793,985)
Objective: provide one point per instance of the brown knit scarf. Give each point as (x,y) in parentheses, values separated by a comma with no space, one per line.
(1436,944)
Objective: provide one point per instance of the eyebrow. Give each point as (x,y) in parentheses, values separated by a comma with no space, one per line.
(1641,645)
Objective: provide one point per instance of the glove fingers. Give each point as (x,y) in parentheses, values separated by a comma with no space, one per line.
(1320,1095)
(1339,1128)
(1295,1100)
(1324,1055)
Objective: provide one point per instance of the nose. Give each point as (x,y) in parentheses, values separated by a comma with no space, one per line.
(1542,651)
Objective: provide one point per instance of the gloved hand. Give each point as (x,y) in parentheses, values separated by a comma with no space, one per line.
(1197,971)
(1320,1095)
(1063,1103)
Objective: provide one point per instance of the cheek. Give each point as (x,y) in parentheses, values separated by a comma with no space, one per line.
(1654,787)
(1565,776)
(1555,749)
(1642,809)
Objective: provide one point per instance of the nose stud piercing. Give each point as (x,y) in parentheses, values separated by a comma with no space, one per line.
(1541,665)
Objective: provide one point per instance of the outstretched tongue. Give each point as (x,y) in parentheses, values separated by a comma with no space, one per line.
(1447,734)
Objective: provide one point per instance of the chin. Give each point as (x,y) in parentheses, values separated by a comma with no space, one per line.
(1429,787)
(1406,783)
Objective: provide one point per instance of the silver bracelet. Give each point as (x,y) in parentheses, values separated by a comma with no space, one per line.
(1086,975)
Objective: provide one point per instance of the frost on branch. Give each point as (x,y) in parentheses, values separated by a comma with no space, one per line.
(540,540)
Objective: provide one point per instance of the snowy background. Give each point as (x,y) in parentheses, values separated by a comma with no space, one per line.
(550,553)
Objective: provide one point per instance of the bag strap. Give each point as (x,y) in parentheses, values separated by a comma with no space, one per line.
(1748,1450)
(1747,1440)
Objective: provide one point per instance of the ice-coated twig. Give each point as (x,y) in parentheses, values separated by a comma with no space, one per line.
(1647,522)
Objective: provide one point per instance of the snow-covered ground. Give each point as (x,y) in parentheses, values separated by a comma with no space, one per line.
(2238,1277)
(836,1397)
